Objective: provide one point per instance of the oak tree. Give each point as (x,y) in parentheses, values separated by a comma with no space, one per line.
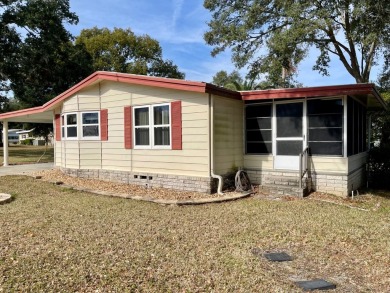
(275,35)
(38,58)
(121,50)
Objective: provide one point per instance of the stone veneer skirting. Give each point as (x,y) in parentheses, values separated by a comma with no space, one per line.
(178,182)
(338,184)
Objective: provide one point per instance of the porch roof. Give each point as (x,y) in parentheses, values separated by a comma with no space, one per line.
(366,92)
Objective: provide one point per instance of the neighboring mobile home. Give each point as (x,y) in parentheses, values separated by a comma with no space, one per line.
(181,134)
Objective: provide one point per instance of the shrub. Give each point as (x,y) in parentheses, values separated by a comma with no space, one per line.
(379,167)
(28,141)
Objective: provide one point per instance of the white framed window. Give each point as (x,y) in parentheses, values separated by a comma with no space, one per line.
(152,126)
(90,125)
(80,125)
(69,126)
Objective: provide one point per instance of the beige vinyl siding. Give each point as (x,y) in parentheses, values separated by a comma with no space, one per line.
(329,164)
(193,160)
(318,164)
(228,134)
(90,154)
(71,154)
(86,99)
(259,162)
(58,153)
(114,156)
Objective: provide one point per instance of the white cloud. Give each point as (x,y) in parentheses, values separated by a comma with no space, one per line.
(177,8)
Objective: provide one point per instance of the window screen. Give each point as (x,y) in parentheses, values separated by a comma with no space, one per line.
(356,127)
(289,148)
(258,129)
(325,126)
(289,120)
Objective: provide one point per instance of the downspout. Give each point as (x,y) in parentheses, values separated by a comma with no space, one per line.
(211,144)
(5,143)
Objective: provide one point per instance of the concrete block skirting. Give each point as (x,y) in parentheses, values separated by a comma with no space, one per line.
(337,184)
(187,183)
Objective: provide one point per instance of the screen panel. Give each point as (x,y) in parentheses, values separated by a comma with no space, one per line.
(289,120)
(326,134)
(289,147)
(325,126)
(259,147)
(326,148)
(258,131)
(259,135)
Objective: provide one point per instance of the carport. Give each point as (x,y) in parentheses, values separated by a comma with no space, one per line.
(43,114)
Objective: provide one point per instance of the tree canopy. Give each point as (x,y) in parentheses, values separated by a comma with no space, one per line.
(122,51)
(37,57)
(273,36)
(227,80)
(234,81)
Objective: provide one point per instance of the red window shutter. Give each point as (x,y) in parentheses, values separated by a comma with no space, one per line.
(128,128)
(176,124)
(57,122)
(104,124)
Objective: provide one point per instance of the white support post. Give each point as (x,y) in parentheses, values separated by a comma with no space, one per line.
(5,143)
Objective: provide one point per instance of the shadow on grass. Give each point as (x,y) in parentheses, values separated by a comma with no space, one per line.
(385,194)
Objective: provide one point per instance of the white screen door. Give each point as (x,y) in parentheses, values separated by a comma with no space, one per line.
(289,137)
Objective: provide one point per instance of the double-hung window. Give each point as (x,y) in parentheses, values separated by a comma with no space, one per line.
(69,125)
(82,125)
(90,125)
(152,126)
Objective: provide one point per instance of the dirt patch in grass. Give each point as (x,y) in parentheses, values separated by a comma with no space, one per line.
(59,240)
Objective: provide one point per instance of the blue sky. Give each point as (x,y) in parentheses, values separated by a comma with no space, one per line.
(179,26)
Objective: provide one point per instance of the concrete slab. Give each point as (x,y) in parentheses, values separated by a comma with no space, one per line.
(278,256)
(24,169)
(316,284)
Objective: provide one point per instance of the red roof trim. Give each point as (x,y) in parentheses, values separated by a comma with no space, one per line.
(291,93)
(162,82)
(202,87)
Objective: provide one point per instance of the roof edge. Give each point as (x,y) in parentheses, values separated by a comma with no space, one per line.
(169,83)
(318,91)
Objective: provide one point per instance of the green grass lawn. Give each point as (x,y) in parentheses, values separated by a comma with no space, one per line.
(60,240)
(22,154)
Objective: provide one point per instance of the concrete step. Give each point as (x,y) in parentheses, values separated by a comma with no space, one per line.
(290,180)
(291,183)
(287,186)
(284,190)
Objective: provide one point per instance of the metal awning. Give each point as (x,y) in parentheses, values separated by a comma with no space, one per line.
(31,115)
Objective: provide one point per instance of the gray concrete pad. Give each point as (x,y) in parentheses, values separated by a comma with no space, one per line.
(24,169)
(316,284)
(278,256)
